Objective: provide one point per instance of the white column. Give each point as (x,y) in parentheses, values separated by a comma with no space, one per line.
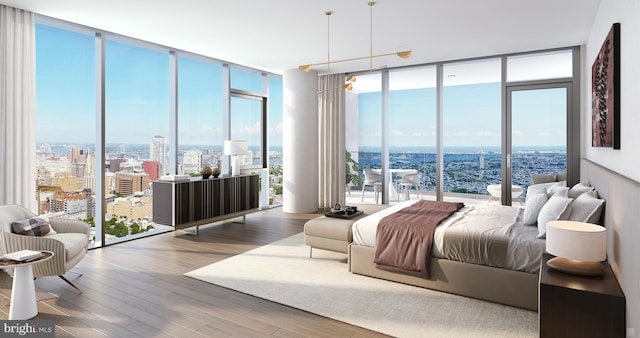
(300,141)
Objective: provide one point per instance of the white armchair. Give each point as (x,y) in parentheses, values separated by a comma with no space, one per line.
(409,181)
(69,243)
(374,180)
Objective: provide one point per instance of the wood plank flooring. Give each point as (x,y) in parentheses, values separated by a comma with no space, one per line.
(137,289)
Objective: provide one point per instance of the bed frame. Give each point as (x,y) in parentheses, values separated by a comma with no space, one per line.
(509,287)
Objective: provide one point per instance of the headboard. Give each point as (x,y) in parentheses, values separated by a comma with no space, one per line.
(622,220)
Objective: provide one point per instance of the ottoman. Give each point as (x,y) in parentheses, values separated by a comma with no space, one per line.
(334,234)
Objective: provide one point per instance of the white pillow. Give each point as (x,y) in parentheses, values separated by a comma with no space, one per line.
(554,188)
(534,201)
(586,208)
(562,192)
(579,189)
(556,208)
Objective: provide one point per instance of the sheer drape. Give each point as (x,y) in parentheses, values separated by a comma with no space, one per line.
(17,107)
(331,113)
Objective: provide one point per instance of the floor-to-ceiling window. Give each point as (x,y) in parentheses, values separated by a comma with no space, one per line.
(412,127)
(248,121)
(275,140)
(136,134)
(496,121)
(539,108)
(364,128)
(145,135)
(471,117)
(199,114)
(65,124)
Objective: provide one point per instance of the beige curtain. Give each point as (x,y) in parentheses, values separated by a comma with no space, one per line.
(17,107)
(331,115)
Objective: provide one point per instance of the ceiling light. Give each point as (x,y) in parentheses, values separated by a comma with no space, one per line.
(401,54)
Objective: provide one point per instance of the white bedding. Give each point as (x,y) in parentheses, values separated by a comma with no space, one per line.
(523,251)
(364,229)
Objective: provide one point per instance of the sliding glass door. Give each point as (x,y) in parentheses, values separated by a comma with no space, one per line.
(538,134)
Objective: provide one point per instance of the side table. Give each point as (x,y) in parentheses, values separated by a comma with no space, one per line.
(23,291)
(576,306)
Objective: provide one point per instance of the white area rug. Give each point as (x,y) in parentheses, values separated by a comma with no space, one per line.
(283,272)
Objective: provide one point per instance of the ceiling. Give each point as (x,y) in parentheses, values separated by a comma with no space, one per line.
(278,35)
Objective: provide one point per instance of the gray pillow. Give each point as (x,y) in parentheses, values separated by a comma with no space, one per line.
(579,189)
(34,226)
(556,208)
(543,178)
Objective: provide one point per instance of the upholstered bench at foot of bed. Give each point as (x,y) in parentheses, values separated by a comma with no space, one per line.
(334,234)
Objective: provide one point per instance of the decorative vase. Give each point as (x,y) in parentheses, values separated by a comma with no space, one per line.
(205,176)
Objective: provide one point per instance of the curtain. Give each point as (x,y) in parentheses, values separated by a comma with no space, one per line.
(331,114)
(17,107)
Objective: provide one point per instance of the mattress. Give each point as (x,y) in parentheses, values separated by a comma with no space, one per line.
(521,249)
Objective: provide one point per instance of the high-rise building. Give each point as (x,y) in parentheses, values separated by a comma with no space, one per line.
(128,183)
(152,168)
(114,164)
(76,155)
(158,153)
(90,168)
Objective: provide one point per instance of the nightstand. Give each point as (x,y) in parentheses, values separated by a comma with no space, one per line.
(575,306)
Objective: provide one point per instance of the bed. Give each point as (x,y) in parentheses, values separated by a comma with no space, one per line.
(511,280)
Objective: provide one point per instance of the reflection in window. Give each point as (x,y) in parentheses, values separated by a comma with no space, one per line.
(246,124)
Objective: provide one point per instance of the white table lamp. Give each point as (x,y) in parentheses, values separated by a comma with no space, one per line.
(235,148)
(579,247)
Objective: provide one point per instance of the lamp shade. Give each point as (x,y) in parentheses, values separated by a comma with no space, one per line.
(577,241)
(235,147)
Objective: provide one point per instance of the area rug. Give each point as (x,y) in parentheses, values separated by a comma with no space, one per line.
(282,272)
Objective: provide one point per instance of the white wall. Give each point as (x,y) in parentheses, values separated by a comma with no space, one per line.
(622,206)
(626,160)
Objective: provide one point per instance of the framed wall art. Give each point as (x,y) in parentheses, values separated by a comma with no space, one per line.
(605,93)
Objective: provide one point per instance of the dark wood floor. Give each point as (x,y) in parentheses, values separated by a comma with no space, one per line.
(137,289)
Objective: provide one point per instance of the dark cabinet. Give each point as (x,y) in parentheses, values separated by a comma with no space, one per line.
(575,306)
(193,203)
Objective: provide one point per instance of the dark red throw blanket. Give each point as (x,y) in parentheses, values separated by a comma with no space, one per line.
(404,238)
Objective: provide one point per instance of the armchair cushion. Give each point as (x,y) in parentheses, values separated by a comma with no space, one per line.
(34,226)
(74,243)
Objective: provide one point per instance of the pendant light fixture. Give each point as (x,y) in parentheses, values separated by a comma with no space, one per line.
(402,54)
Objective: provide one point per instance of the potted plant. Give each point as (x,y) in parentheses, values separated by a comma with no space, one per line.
(215,172)
(206,172)
(352,171)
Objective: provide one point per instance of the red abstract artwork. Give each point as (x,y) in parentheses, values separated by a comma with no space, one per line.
(605,95)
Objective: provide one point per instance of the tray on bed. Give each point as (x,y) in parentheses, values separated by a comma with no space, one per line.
(343,214)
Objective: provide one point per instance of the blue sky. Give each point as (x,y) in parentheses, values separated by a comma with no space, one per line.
(471,117)
(137,102)
(137,94)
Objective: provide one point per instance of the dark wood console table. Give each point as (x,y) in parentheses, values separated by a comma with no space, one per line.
(575,306)
(194,203)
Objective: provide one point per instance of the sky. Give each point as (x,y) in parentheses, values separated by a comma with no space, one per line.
(137,94)
(471,116)
(137,102)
